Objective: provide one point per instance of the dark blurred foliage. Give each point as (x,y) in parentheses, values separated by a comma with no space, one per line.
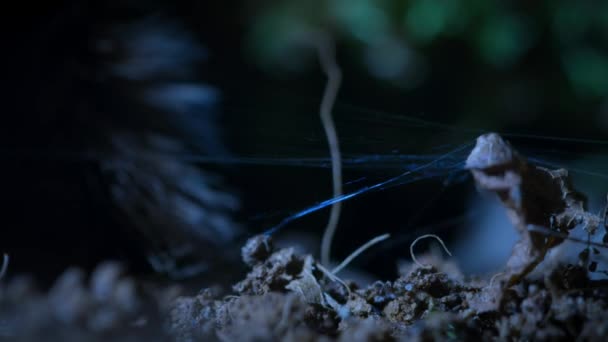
(538,68)
(489,64)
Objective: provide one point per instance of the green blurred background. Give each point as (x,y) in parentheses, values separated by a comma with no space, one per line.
(496,62)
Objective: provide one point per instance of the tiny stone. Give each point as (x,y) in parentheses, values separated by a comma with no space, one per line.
(532,289)
(343,312)
(257,249)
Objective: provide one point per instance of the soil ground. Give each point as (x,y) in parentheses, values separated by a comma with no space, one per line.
(286,296)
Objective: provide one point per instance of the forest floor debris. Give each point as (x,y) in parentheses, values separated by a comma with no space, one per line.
(290,296)
(286,298)
(422,304)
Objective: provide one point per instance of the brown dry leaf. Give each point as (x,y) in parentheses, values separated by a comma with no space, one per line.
(533,196)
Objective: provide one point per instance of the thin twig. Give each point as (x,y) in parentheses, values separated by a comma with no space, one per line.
(333,277)
(327,59)
(424,237)
(5,261)
(358,251)
(564,236)
(494,278)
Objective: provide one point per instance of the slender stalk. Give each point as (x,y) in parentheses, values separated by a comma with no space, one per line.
(327,59)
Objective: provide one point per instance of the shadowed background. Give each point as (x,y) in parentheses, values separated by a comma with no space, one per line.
(534,69)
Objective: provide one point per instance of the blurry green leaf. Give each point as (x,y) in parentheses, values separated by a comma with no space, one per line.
(277,38)
(602,20)
(587,70)
(427,19)
(503,40)
(570,20)
(391,59)
(362,19)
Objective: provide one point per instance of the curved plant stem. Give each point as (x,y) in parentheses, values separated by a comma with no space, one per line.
(327,58)
(424,237)
(358,251)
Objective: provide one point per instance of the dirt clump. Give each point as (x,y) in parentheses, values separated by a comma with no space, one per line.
(270,274)
(289,296)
